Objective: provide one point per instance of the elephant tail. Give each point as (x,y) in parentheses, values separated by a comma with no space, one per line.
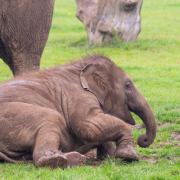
(7,159)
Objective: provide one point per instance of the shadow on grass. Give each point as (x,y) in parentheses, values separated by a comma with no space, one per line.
(141,44)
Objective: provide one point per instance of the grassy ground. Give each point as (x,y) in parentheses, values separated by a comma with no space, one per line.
(154,64)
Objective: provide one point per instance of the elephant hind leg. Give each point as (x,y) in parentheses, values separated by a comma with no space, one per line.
(38,130)
(47,153)
(48,140)
(46,149)
(27,128)
(59,159)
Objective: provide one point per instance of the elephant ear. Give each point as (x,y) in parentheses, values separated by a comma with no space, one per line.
(86,10)
(94,79)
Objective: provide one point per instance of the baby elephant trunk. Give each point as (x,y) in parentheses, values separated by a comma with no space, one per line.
(147,116)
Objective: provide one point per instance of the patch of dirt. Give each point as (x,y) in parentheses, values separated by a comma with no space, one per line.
(174,158)
(175,136)
(163,125)
(162,144)
(174,140)
(152,159)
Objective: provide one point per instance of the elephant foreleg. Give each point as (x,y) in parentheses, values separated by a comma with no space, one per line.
(100,128)
(103,150)
(106,149)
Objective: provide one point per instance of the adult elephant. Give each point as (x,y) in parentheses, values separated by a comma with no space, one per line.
(24,29)
(105,19)
(54,115)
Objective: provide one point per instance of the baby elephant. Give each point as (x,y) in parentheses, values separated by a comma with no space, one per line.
(55,116)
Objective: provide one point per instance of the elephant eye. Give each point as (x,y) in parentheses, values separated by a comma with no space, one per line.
(130,6)
(128,85)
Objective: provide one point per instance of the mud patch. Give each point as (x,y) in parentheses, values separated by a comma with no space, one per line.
(163,144)
(174,140)
(152,160)
(174,158)
(164,125)
(175,136)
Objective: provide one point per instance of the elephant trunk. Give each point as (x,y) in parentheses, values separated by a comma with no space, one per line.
(148,118)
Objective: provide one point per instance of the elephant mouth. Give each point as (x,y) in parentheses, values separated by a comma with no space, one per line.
(106,36)
(131,119)
(128,114)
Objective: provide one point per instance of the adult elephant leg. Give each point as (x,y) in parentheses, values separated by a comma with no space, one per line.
(24,31)
(4,56)
(20,62)
(100,128)
(24,62)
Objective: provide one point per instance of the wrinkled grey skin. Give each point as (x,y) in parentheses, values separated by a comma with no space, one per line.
(54,116)
(104,19)
(24,29)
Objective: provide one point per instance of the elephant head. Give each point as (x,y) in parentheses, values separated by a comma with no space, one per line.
(104,18)
(118,96)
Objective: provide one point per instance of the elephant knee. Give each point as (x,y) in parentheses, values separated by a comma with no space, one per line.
(90,133)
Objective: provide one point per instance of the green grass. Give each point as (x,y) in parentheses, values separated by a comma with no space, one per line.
(154,64)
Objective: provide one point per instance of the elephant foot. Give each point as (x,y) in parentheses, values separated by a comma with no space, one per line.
(53,160)
(75,159)
(126,153)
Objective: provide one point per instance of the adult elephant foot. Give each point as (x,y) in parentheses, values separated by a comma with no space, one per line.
(126,153)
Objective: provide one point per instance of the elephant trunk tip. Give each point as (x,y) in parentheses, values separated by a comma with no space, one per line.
(143,141)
